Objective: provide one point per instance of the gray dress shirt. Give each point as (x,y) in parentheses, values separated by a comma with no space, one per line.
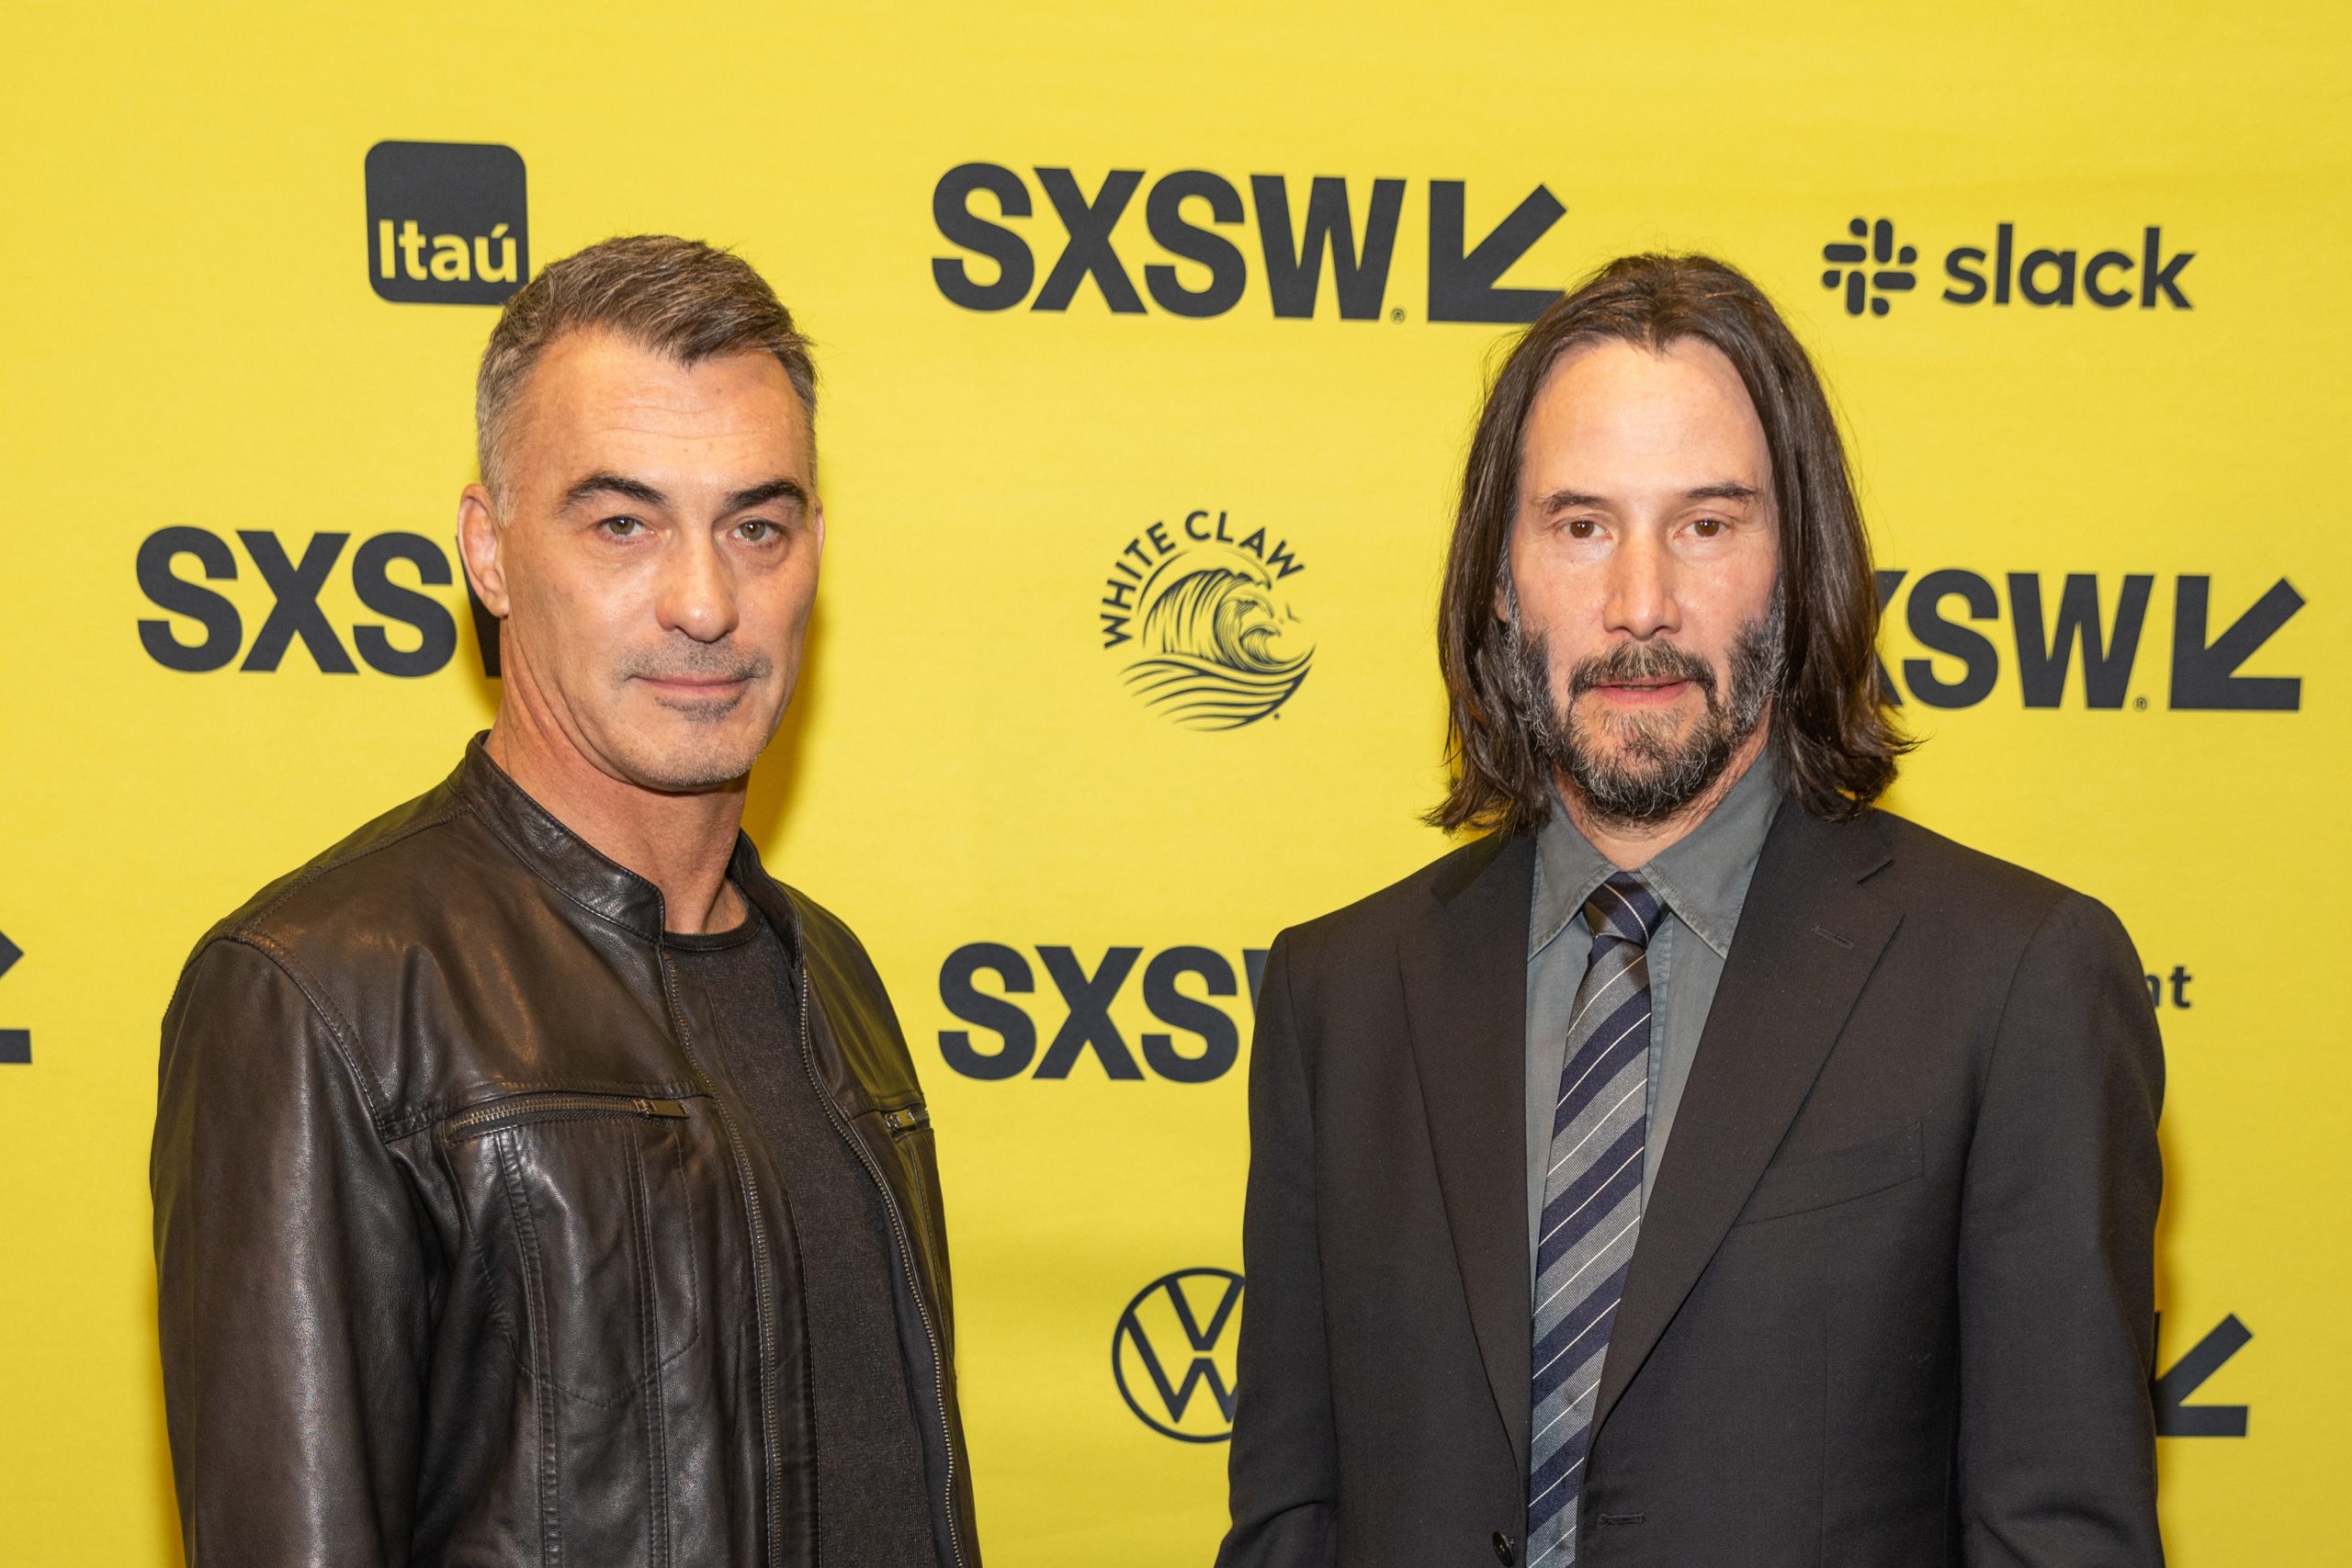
(1702,878)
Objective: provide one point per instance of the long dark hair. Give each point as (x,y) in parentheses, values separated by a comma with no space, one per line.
(1832,731)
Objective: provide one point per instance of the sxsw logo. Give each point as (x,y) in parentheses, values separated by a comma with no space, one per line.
(447,224)
(15,1045)
(1197,1042)
(1306,232)
(1172,1354)
(174,563)
(2175,1416)
(1869,268)
(2089,623)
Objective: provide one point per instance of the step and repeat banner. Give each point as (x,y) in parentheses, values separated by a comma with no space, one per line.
(1120,311)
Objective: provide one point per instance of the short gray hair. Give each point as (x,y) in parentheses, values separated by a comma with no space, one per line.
(679,298)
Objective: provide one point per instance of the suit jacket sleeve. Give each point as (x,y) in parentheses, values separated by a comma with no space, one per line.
(2057,1442)
(1283,1466)
(290,1289)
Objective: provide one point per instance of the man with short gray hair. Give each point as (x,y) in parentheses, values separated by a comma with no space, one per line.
(535,1178)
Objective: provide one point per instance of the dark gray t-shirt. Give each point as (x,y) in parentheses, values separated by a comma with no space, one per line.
(873,1501)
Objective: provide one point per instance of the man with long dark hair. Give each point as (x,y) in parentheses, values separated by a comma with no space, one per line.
(1701,1166)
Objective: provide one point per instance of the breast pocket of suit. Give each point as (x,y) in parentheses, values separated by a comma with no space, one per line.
(1840,1176)
(583,1221)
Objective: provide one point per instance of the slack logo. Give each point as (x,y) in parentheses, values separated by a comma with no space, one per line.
(1888,280)
(448,222)
(2144,272)
(2047,276)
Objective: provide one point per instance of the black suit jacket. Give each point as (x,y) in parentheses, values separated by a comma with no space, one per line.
(1892,1299)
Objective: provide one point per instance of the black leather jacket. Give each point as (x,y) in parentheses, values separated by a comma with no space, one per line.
(462,1258)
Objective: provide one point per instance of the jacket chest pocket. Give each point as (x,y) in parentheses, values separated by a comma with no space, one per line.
(584,1223)
(1841,1176)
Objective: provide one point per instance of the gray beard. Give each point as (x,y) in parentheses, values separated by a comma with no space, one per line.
(1649,776)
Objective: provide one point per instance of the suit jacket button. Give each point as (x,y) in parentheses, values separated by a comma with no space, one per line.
(1504,1555)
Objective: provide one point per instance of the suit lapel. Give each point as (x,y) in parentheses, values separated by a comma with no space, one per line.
(1807,940)
(1465,1002)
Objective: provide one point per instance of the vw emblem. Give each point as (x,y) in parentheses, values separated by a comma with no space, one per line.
(1173,1352)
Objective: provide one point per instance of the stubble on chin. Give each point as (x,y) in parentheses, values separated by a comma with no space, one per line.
(678,746)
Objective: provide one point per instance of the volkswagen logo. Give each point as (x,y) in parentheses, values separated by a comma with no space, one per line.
(1173,1351)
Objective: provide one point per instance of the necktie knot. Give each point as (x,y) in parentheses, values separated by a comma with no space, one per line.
(1624,907)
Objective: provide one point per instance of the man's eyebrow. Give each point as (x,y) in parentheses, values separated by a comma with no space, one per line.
(1722,490)
(774,489)
(1562,500)
(604,482)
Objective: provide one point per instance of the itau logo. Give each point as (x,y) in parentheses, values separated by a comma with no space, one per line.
(1208,634)
(1869,271)
(448,222)
(1172,1354)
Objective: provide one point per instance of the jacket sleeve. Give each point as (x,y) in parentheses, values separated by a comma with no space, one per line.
(1284,1467)
(290,1290)
(2057,1441)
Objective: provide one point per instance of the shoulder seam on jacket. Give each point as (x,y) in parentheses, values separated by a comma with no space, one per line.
(2009,991)
(338,1028)
(311,874)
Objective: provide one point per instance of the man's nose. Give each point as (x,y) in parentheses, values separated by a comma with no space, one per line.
(697,589)
(1642,589)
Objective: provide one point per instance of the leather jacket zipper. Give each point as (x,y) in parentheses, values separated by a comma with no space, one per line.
(906,1252)
(516,1109)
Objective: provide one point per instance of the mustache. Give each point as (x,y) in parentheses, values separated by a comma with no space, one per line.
(1629,662)
(698,661)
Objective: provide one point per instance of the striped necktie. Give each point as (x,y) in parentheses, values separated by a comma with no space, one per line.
(1592,1206)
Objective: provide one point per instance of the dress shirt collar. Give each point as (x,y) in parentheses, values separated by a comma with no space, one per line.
(1702,876)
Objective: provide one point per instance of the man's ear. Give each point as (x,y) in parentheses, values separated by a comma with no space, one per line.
(480,539)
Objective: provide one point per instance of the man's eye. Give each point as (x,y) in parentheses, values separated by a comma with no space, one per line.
(1582,529)
(757,531)
(622,527)
(1707,527)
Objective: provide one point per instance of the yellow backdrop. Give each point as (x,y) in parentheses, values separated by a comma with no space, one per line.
(2103,397)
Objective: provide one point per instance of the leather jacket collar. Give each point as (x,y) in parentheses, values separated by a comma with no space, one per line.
(575,868)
